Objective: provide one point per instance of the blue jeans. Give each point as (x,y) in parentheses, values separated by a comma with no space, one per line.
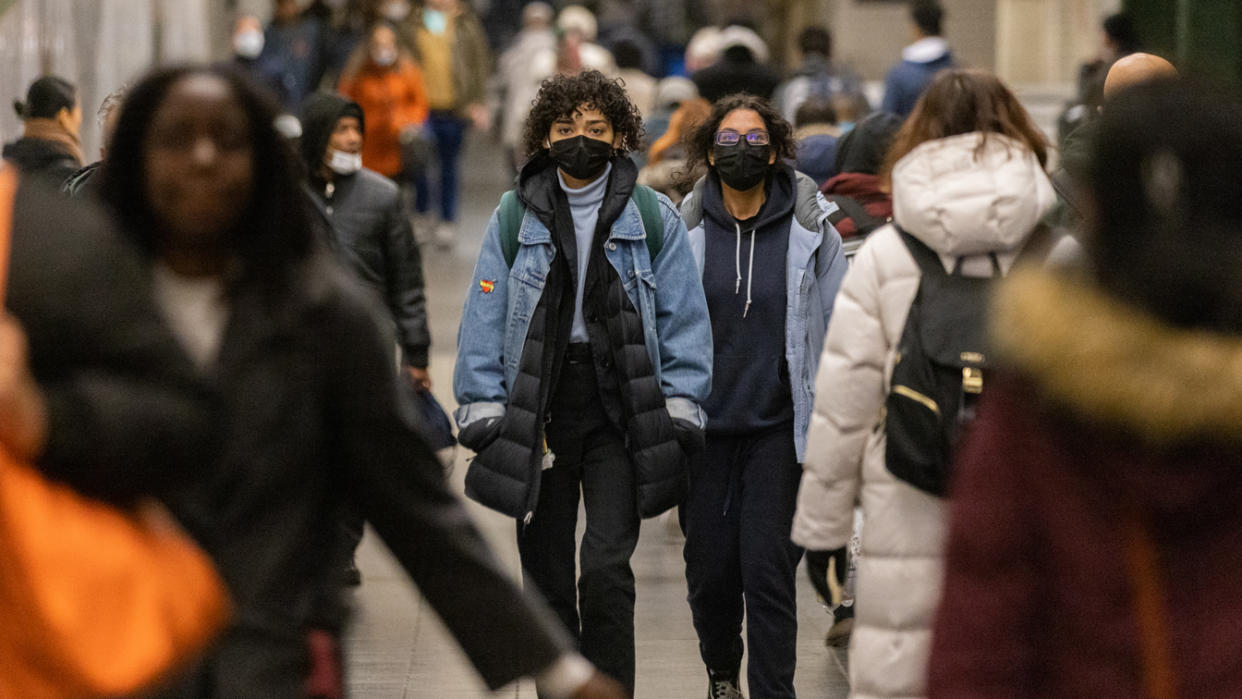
(448,130)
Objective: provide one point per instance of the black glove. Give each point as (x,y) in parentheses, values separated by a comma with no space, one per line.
(480,434)
(690,436)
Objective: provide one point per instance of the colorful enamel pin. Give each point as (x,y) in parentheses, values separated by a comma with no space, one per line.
(487,285)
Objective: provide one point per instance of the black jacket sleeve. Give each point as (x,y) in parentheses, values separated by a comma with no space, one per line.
(399,487)
(127,414)
(404,281)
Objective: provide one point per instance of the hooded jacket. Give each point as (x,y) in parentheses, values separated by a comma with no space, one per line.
(860,155)
(369,221)
(962,198)
(814,268)
(920,62)
(1082,438)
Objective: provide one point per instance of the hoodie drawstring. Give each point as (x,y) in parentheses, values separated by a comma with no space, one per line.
(737,263)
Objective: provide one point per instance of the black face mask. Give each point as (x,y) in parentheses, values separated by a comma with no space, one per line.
(581,157)
(742,166)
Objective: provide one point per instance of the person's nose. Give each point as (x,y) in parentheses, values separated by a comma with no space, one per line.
(204,152)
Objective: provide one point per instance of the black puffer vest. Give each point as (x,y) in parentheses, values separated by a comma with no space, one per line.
(505,476)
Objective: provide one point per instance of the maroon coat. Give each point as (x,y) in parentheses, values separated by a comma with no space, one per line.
(863,188)
(1105,415)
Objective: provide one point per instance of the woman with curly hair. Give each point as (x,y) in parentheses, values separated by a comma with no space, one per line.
(771,266)
(582,360)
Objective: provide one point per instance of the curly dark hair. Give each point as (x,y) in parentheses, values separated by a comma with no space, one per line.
(700,141)
(560,95)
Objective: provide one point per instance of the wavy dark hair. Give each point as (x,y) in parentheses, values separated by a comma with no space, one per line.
(275,232)
(700,141)
(560,95)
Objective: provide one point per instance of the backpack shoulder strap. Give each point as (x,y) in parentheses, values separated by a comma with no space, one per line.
(926,258)
(649,208)
(851,208)
(509,216)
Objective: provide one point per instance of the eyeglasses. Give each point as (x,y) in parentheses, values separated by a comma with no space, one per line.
(729,137)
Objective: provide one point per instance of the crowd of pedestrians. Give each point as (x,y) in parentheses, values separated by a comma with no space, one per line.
(992,407)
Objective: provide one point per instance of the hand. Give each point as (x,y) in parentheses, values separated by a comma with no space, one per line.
(326,679)
(601,687)
(690,436)
(480,116)
(421,378)
(23,412)
(479,434)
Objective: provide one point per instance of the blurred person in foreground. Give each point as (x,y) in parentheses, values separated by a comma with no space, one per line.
(920,61)
(771,266)
(582,361)
(82,183)
(1093,541)
(967,177)
(310,418)
(864,204)
(51,117)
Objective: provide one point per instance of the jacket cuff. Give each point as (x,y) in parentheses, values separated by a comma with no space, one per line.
(473,412)
(686,409)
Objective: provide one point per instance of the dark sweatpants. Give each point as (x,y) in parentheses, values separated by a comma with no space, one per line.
(743,491)
(591,458)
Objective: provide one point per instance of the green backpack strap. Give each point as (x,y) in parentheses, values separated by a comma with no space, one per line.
(509,216)
(653,223)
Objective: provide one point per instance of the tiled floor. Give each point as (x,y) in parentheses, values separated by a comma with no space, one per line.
(397,647)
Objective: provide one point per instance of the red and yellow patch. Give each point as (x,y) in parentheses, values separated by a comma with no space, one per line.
(487,285)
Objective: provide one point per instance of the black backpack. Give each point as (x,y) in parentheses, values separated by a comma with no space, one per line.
(938,376)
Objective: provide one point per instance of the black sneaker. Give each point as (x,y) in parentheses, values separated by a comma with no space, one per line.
(723,686)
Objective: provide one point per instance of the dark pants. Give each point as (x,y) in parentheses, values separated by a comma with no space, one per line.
(591,457)
(737,517)
(449,130)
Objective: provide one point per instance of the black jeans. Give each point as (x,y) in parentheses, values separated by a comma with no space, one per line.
(737,517)
(591,458)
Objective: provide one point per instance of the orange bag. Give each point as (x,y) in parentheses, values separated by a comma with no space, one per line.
(95,601)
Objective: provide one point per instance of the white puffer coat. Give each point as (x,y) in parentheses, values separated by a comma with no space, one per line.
(963,200)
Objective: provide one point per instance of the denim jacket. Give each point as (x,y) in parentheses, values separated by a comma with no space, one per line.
(815,266)
(667,291)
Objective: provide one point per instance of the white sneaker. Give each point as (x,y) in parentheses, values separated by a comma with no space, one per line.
(446,235)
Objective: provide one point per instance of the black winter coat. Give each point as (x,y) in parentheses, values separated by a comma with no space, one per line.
(368,220)
(736,72)
(36,157)
(128,417)
(312,426)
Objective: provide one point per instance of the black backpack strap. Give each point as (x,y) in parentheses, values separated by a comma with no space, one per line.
(928,261)
(851,208)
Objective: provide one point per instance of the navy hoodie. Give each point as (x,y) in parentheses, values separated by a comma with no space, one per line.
(750,379)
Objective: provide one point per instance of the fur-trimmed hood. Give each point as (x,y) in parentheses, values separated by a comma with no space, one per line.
(1115,365)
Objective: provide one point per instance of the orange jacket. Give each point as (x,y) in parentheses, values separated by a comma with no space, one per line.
(391,100)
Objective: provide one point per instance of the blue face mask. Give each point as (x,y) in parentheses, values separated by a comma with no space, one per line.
(435,21)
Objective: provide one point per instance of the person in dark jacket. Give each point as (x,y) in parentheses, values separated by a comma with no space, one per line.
(582,360)
(818,77)
(1092,540)
(815,140)
(199,178)
(51,117)
(920,61)
(368,217)
(738,70)
(81,184)
(292,58)
(771,266)
(856,188)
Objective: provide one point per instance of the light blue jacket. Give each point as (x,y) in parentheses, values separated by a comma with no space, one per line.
(667,291)
(815,266)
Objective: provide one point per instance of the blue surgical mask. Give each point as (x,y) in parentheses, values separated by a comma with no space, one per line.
(435,21)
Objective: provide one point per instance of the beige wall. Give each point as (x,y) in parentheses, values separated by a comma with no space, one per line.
(870,35)
(1044,41)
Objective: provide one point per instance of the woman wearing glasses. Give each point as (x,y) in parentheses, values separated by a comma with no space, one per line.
(771,265)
